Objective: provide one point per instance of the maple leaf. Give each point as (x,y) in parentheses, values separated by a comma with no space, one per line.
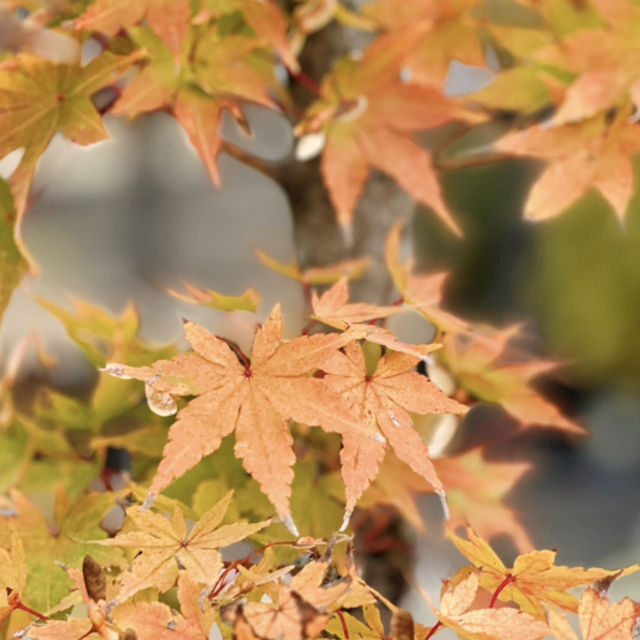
(157,621)
(248,301)
(354,628)
(333,308)
(563,18)
(474,355)
(421,292)
(71,629)
(166,546)
(600,619)
(476,359)
(476,490)
(384,399)
(300,611)
(397,487)
(534,580)
(352,268)
(197,90)
(39,98)
(606,73)
(14,264)
(169,19)
(13,575)
(485,624)
(72,536)
(91,584)
(363,108)
(263,16)
(585,155)
(102,336)
(255,398)
(445,32)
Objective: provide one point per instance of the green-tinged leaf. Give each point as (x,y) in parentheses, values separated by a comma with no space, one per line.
(14,456)
(248,301)
(103,336)
(327,274)
(63,542)
(520,89)
(12,264)
(40,97)
(311,487)
(355,628)
(74,474)
(147,440)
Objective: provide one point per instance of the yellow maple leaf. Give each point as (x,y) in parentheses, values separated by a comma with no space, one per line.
(503,623)
(166,547)
(534,580)
(38,98)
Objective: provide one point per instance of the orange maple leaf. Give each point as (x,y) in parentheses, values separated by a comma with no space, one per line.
(604,60)
(166,546)
(476,356)
(157,621)
(301,610)
(480,360)
(334,309)
(364,108)
(585,155)
(476,489)
(534,580)
(170,19)
(446,31)
(255,398)
(422,292)
(198,89)
(600,619)
(384,399)
(502,623)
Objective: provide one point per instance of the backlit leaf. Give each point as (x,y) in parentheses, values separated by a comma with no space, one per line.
(255,398)
(166,546)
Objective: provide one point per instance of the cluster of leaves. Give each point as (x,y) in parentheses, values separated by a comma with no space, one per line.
(162,575)
(176,584)
(340,419)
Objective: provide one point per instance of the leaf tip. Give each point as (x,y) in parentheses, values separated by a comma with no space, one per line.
(288,522)
(347,233)
(148,502)
(345,520)
(443,502)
